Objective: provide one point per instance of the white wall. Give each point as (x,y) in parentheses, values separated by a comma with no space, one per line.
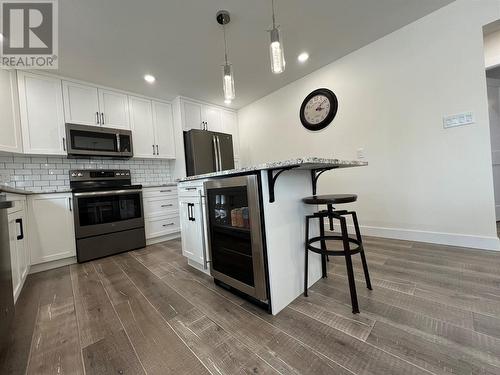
(492,49)
(423,182)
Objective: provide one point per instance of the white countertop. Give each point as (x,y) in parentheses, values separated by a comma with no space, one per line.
(299,163)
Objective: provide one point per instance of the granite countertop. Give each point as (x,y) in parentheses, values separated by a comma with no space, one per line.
(299,163)
(159,185)
(11,190)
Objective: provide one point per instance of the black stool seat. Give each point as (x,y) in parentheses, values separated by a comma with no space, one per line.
(331,199)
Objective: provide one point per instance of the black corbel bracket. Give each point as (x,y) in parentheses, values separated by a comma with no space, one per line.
(315,173)
(272,177)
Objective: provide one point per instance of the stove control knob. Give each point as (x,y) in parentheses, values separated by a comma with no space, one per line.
(127,174)
(80,174)
(73,174)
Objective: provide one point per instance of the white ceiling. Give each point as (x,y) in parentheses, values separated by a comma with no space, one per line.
(115,42)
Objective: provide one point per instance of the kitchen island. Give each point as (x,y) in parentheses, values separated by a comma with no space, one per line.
(275,225)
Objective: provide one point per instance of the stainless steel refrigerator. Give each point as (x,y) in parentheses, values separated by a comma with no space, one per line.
(207,152)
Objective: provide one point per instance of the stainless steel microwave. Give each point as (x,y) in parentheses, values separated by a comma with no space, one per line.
(84,140)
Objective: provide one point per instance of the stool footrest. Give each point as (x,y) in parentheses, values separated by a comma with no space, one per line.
(317,250)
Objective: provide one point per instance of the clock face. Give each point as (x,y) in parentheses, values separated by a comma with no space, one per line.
(318,109)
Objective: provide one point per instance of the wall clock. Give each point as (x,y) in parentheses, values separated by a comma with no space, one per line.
(319,109)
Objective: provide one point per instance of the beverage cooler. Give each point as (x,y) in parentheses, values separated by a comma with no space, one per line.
(235,235)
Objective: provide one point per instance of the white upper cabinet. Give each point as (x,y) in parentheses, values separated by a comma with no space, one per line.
(42,114)
(81,104)
(88,105)
(213,119)
(192,115)
(230,126)
(141,117)
(114,109)
(164,130)
(10,125)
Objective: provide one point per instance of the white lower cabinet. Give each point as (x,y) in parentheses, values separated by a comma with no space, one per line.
(161,213)
(52,230)
(19,254)
(193,239)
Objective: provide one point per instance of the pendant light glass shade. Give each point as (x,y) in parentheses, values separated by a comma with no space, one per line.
(228,82)
(276,52)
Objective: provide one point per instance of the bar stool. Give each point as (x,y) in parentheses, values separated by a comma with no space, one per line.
(332,214)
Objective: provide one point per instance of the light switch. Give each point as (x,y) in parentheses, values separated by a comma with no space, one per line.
(460,119)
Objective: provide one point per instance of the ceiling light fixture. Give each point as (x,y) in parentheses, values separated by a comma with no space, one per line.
(276,47)
(149,78)
(303,57)
(223,19)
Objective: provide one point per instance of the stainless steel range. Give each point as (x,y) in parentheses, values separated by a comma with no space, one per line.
(108,211)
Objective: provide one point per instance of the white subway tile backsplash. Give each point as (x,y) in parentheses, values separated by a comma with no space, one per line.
(41,174)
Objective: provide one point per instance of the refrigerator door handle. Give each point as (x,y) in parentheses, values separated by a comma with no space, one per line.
(216,154)
(219,155)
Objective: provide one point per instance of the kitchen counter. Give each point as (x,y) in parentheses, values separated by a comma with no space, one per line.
(11,190)
(283,186)
(298,163)
(159,185)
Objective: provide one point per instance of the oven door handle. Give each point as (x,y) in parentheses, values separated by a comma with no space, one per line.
(107,192)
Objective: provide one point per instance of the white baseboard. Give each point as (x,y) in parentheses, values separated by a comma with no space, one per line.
(451,239)
(173,236)
(35,268)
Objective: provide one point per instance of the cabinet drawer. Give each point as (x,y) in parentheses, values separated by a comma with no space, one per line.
(160,206)
(191,188)
(161,226)
(160,191)
(18,203)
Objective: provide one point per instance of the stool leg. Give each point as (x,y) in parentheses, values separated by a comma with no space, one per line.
(348,262)
(330,211)
(306,258)
(362,252)
(323,246)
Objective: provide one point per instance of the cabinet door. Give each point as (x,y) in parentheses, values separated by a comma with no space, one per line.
(52,231)
(114,109)
(192,116)
(42,114)
(14,256)
(10,125)
(193,244)
(141,119)
(230,126)
(81,104)
(164,130)
(213,117)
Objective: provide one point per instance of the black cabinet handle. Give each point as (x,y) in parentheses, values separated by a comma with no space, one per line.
(97,118)
(154,150)
(166,205)
(20,222)
(102,118)
(169,224)
(157,150)
(191,212)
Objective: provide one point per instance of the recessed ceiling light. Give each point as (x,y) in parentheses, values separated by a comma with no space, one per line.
(303,57)
(149,78)
(227,101)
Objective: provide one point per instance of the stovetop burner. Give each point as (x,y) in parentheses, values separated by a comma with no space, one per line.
(84,180)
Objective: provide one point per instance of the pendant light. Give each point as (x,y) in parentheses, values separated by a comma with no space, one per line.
(223,19)
(276,47)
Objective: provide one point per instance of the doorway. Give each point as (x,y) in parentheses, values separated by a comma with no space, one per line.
(492,66)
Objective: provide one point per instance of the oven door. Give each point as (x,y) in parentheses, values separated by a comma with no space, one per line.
(98,141)
(103,212)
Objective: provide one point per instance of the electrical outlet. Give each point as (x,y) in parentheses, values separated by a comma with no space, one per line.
(460,119)
(361,153)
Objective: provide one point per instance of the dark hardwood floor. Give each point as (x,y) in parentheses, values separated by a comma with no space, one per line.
(434,310)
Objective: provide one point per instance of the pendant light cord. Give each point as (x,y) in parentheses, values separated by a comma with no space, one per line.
(274,19)
(225,43)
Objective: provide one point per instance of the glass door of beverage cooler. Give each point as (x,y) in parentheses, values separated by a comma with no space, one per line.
(235,234)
